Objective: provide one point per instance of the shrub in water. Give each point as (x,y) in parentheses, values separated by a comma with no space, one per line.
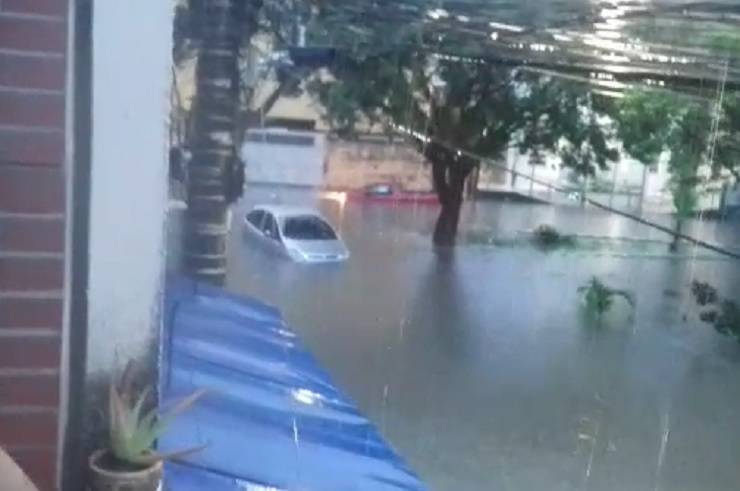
(548,236)
(721,313)
(598,297)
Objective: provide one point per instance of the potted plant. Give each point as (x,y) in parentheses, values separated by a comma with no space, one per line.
(130,462)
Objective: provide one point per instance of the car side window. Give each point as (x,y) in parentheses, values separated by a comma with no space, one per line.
(255,218)
(270,228)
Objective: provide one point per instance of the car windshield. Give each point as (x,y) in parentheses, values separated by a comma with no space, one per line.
(308,228)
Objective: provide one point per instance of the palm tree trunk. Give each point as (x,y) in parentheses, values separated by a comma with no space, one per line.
(215,159)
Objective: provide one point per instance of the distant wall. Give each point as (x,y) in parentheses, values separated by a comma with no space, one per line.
(355,164)
(284,157)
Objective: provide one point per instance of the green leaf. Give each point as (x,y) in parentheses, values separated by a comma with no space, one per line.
(165,418)
(185,404)
(599,297)
(133,434)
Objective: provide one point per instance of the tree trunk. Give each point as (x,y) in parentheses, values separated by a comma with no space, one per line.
(472,183)
(643,188)
(215,162)
(676,239)
(584,190)
(445,231)
(449,172)
(614,185)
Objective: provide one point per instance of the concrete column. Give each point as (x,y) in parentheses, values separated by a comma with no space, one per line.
(132,46)
(118,148)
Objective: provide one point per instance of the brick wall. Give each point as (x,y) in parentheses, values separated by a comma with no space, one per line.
(33,37)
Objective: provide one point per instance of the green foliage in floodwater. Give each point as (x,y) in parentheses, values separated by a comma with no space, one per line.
(598,297)
(726,43)
(592,245)
(548,237)
(721,313)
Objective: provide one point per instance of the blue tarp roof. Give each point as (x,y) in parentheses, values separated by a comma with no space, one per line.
(272,418)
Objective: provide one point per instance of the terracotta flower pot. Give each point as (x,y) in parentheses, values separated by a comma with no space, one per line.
(103,477)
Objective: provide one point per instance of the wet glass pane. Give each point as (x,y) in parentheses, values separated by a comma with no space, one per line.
(510,230)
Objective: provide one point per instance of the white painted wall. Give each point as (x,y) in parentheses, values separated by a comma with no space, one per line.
(285,163)
(131,82)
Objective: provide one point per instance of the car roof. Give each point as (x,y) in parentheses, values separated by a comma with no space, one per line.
(283,211)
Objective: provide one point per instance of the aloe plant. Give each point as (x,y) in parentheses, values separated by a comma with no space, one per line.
(133,431)
(599,297)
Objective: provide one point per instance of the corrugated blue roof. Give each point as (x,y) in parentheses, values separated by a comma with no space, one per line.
(273,416)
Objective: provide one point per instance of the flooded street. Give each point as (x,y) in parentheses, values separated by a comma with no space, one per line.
(479,367)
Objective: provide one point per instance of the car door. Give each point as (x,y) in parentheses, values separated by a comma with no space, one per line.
(271,232)
(254,220)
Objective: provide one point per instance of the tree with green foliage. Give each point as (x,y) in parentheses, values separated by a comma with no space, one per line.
(398,77)
(568,120)
(388,79)
(727,147)
(644,126)
(688,145)
(449,106)
(651,123)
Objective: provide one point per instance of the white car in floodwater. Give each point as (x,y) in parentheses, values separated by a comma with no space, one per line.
(300,233)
